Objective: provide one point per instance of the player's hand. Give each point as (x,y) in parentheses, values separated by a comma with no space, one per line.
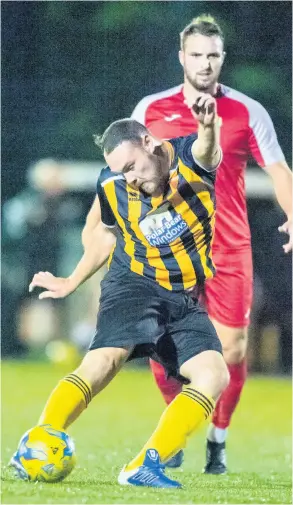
(57,287)
(287,228)
(203,108)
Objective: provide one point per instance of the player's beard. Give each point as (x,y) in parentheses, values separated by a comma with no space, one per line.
(149,187)
(156,186)
(196,83)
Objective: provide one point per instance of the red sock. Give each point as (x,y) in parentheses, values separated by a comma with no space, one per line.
(168,387)
(230,397)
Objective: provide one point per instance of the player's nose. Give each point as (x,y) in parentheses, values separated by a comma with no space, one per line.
(131,179)
(205,63)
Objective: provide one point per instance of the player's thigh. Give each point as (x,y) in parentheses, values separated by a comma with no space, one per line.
(228,299)
(228,296)
(188,336)
(129,317)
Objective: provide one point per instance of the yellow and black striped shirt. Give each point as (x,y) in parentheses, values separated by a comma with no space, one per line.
(167,238)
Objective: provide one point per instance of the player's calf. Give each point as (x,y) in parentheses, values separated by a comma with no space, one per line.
(234,343)
(208,377)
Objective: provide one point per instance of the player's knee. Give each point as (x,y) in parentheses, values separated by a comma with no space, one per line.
(207,372)
(236,354)
(101,365)
(235,346)
(219,380)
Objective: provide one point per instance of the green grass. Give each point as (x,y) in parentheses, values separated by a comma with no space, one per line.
(119,421)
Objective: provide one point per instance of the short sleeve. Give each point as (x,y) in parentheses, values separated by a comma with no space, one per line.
(107,216)
(183,148)
(262,139)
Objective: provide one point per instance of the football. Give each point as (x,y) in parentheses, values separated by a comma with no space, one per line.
(44,454)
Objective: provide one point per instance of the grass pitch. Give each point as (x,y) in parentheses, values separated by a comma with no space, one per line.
(120,420)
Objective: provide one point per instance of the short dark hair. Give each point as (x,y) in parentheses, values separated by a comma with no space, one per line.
(204,24)
(118,132)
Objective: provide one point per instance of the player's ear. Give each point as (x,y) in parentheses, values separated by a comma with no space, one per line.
(150,143)
(224,56)
(181,57)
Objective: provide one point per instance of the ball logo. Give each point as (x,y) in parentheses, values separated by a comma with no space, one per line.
(163,226)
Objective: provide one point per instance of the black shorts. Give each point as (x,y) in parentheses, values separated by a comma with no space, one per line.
(169,327)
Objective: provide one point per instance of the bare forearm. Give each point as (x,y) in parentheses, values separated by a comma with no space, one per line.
(207,146)
(96,252)
(89,264)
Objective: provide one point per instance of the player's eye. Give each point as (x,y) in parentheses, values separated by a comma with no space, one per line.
(128,168)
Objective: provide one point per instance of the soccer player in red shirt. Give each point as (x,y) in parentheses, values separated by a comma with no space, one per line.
(246,131)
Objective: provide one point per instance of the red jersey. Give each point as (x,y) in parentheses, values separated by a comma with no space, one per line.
(247,131)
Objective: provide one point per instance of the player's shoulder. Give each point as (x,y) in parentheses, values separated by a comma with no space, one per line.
(160,95)
(252,106)
(182,150)
(106,175)
(179,143)
(145,103)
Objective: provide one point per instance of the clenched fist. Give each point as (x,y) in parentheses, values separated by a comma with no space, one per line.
(203,108)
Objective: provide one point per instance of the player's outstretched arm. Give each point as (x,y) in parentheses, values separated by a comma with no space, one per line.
(283,184)
(96,253)
(93,220)
(206,149)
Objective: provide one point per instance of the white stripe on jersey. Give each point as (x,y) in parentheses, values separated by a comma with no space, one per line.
(114,178)
(140,109)
(261,125)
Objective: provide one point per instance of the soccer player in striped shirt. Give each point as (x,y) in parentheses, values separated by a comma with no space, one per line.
(246,131)
(160,197)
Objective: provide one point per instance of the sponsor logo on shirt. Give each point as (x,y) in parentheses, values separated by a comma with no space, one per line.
(171,118)
(163,226)
(133,196)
